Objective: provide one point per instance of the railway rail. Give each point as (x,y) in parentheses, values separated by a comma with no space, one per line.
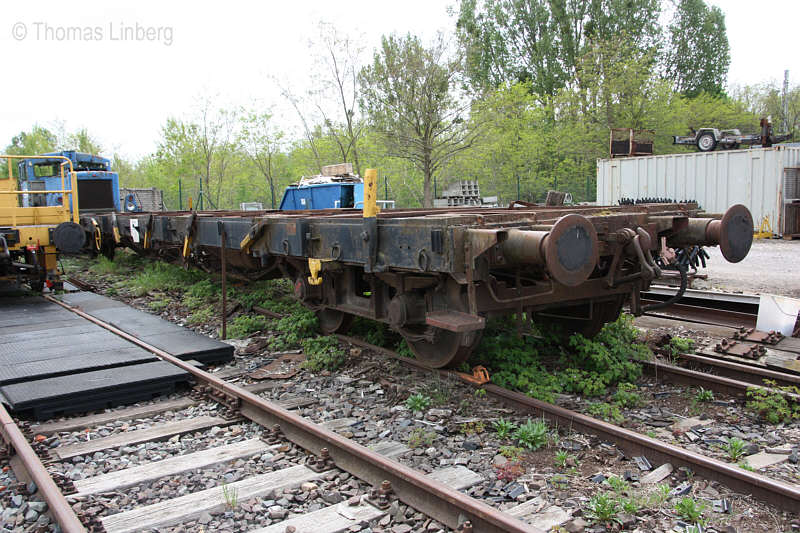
(704,307)
(331,452)
(447,506)
(783,495)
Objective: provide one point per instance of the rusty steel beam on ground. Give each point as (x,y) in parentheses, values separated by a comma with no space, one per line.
(56,503)
(703,315)
(749,373)
(782,495)
(413,488)
(721,384)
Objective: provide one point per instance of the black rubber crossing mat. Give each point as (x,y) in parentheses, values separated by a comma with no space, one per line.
(89,301)
(171,338)
(189,345)
(67,330)
(43,326)
(85,343)
(44,368)
(54,361)
(100,389)
(136,322)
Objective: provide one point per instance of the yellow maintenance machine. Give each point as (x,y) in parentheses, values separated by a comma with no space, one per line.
(31,237)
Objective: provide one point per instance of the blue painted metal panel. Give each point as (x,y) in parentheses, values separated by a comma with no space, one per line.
(86,166)
(323,196)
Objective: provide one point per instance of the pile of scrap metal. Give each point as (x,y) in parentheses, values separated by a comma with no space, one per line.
(436,275)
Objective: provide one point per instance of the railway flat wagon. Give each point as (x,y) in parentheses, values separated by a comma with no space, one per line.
(435,275)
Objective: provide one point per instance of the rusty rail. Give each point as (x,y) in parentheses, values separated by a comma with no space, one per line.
(778,493)
(750,373)
(413,488)
(57,504)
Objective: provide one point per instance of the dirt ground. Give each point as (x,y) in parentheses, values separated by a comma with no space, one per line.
(772,266)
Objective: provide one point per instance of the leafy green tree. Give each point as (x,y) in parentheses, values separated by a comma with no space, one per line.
(262,141)
(410,95)
(698,53)
(38,140)
(540,41)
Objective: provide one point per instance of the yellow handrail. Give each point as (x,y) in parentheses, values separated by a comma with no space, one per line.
(73,192)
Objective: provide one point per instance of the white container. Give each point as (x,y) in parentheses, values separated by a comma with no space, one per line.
(777,313)
(717,180)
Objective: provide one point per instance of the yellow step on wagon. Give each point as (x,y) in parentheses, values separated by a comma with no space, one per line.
(31,237)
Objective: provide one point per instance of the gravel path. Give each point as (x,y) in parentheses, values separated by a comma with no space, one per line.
(772,266)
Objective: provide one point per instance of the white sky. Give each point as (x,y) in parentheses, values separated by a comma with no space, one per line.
(123,89)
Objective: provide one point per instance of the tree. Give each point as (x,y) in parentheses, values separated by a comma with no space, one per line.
(540,41)
(39,140)
(81,141)
(698,54)
(335,90)
(410,94)
(262,141)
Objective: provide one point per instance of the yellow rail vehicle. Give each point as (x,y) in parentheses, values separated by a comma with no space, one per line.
(31,237)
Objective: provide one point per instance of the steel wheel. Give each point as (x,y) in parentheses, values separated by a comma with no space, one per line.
(333,321)
(447,349)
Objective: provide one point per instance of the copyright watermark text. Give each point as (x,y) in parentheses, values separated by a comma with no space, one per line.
(113,31)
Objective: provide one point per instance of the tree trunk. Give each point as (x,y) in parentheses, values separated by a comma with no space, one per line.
(427,191)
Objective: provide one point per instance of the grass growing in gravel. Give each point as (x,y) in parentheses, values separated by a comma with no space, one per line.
(323,353)
(290,331)
(244,325)
(602,508)
(420,438)
(156,276)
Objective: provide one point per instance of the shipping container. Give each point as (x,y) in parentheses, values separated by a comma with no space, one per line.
(766,180)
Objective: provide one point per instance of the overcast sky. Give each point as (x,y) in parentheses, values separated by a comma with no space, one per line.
(136,62)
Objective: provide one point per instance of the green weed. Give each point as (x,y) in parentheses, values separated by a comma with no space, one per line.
(606,411)
(504,428)
(689,510)
(703,395)
(201,316)
(512,453)
(243,325)
(293,329)
(602,508)
(418,402)
(626,395)
(419,438)
(735,448)
(618,485)
(771,404)
(323,353)
(532,434)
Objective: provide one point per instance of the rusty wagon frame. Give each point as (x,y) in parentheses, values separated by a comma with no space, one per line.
(435,275)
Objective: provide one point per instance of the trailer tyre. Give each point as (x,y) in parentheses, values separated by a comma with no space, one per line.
(706,142)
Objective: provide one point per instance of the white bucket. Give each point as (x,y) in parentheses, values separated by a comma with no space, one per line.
(777,313)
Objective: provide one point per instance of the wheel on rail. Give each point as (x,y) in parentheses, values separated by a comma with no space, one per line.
(332,321)
(447,349)
(587,319)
